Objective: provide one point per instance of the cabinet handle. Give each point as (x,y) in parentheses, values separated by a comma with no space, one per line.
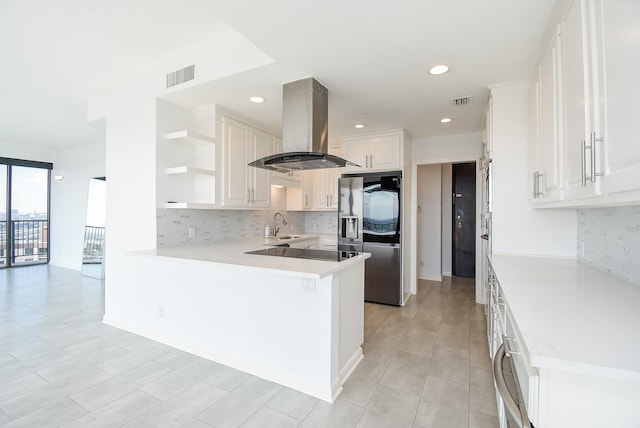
(253,195)
(594,174)
(248,195)
(306,200)
(536,184)
(583,158)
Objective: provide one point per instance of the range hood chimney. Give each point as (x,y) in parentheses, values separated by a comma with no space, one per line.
(304,130)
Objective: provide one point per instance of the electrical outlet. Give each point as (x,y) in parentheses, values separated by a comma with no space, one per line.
(161,311)
(581,248)
(192,232)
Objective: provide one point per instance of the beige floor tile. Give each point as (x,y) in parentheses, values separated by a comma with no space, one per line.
(266,417)
(390,407)
(292,403)
(420,342)
(381,347)
(337,415)
(406,372)
(482,420)
(482,397)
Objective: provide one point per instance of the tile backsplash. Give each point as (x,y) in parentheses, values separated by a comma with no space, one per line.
(609,239)
(221,225)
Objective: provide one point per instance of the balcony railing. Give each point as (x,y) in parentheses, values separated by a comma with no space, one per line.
(29,241)
(93,244)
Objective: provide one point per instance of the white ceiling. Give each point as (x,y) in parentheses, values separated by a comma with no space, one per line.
(372,55)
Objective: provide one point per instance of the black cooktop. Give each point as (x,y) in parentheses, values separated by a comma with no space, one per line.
(304,253)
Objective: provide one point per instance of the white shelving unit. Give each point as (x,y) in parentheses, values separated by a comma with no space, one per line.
(191,184)
(187,136)
(189,170)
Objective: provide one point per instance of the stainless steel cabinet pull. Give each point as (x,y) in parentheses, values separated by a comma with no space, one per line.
(583,156)
(248,195)
(594,174)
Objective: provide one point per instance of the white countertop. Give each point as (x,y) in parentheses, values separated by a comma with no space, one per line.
(573,317)
(232,253)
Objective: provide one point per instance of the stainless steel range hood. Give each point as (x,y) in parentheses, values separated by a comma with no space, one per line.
(304,130)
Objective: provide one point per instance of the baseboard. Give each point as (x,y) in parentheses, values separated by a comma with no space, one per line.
(437,278)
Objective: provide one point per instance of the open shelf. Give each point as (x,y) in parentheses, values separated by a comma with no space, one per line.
(190,205)
(189,170)
(186,136)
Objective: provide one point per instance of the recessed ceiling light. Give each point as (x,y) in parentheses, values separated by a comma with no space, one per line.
(359,125)
(438,70)
(445,120)
(256,100)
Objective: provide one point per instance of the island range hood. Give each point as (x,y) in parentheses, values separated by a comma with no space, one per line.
(304,130)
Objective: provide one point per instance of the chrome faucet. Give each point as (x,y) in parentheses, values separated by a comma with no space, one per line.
(275,219)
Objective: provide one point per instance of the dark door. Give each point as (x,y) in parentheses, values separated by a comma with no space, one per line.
(464,219)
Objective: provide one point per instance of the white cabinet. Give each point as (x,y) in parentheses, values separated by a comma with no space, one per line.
(620,42)
(189,180)
(544,129)
(326,188)
(291,178)
(245,186)
(376,152)
(586,154)
(301,198)
(582,98)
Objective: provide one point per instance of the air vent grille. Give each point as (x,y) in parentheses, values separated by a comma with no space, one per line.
(461,102)
(180,76)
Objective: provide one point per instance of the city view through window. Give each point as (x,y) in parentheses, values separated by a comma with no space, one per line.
(25,239)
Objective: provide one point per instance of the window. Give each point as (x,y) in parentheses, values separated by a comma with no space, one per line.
(24,212)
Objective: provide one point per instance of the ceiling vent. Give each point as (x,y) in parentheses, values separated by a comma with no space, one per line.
(180,76)
(461,102)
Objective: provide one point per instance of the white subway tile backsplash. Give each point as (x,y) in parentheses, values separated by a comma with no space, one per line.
(609,238)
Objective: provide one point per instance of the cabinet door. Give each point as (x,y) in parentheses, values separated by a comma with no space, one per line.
(621,44)
(333,175)
(578,77)
(321,189)
(307,190)
(548,139)
(357,151)
(236,188)
(260,179)
(385,153)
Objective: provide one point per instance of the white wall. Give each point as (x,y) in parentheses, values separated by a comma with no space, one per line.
(516,227)
(69,201)
(429,222)
(131,184)
(446,149)
(447,191)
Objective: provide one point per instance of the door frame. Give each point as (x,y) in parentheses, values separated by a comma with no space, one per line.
(413,238)
(453,220)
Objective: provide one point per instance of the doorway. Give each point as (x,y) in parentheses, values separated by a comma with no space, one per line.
(464,219)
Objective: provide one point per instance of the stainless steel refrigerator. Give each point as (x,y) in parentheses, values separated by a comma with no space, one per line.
(374,227)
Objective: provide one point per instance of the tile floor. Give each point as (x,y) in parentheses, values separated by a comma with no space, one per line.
(426,365)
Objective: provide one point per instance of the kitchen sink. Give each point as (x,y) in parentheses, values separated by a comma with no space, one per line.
(283,237)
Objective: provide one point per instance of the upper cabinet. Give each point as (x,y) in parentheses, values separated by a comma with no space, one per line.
(375,152)
(544,128)
(244,186)
(582,148)
(582,98)
(620,44)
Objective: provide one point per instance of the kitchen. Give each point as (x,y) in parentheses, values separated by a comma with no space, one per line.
(565,228)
